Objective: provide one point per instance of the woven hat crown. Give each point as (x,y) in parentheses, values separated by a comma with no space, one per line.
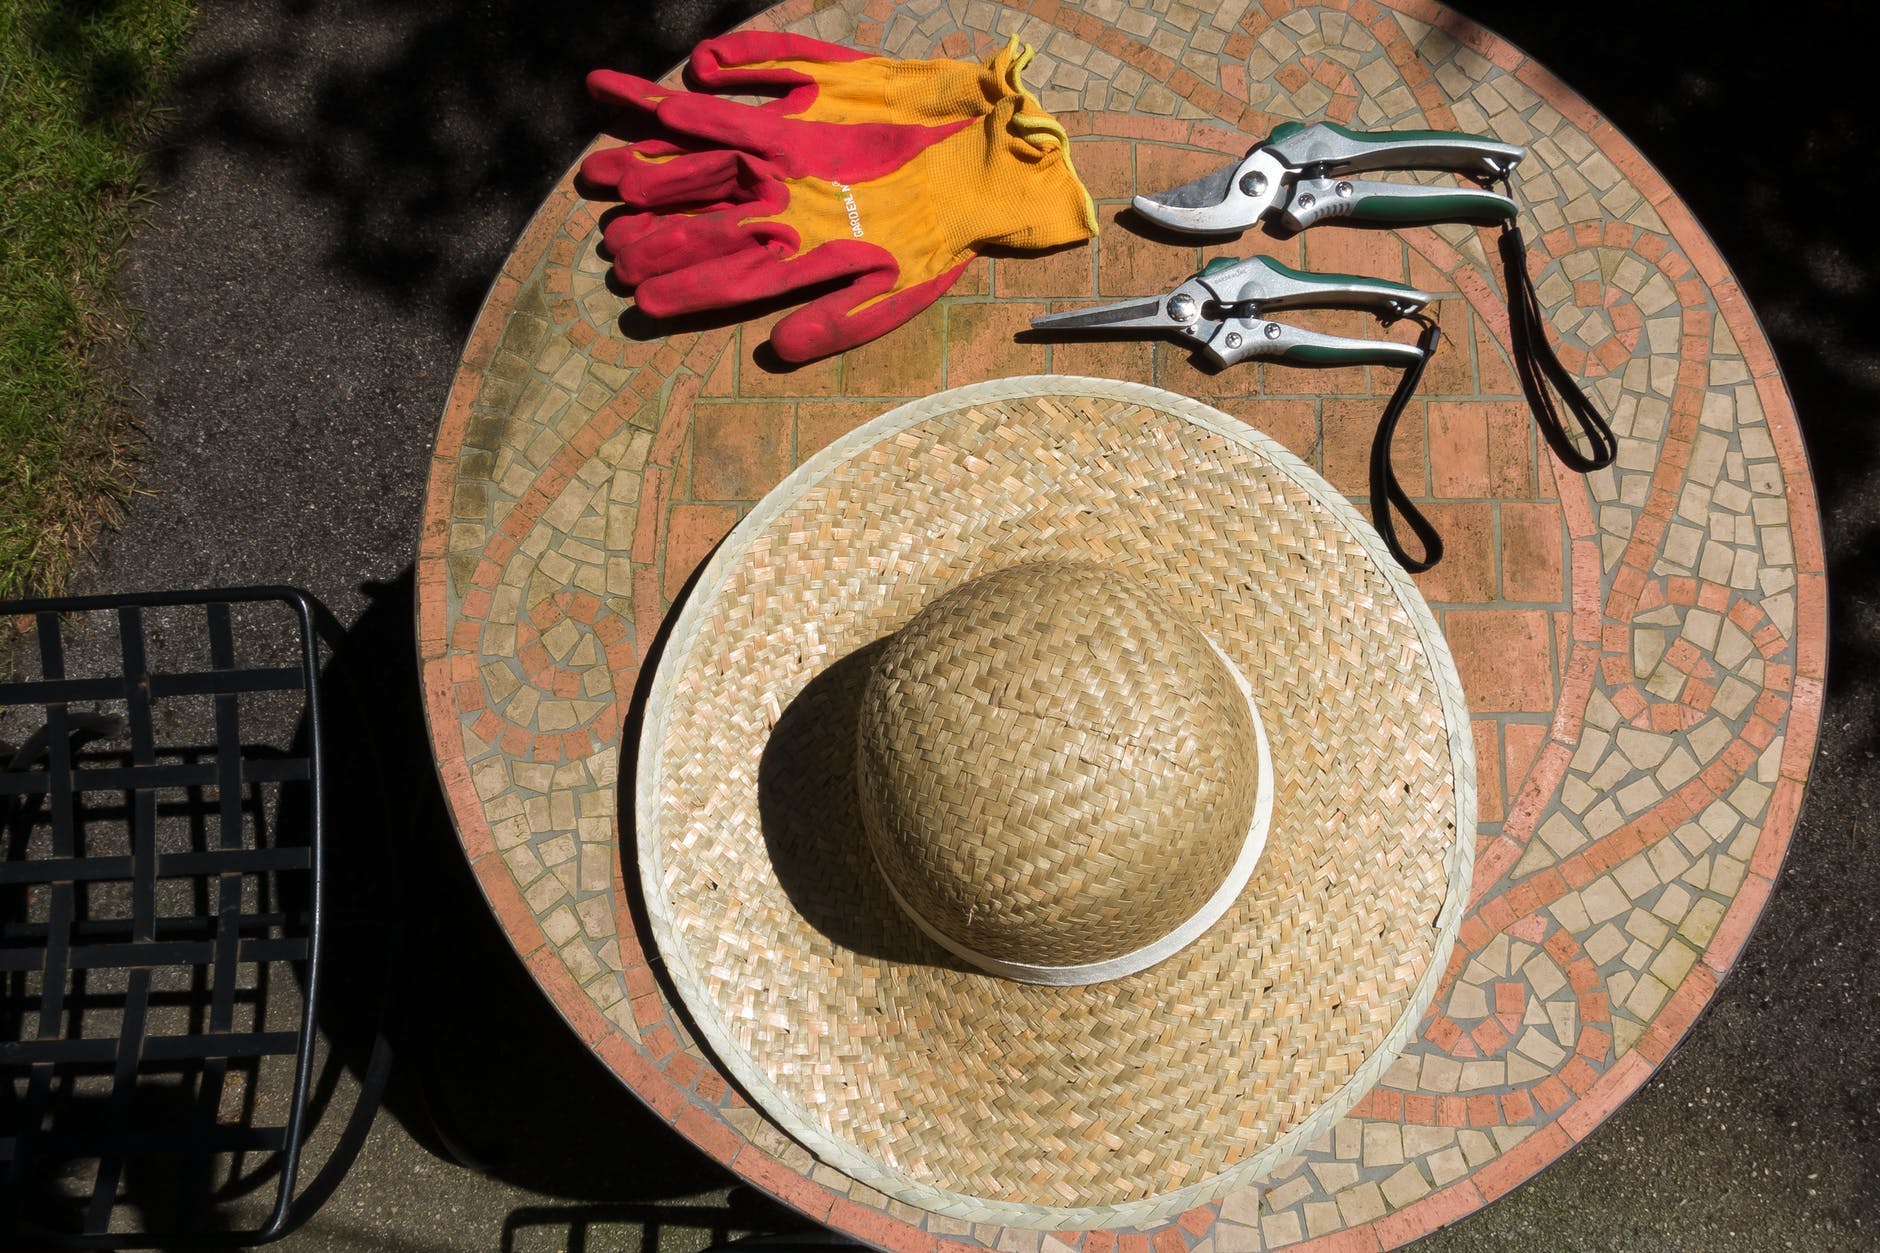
(1056,770)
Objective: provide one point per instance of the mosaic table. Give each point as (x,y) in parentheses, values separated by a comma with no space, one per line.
(1643,649)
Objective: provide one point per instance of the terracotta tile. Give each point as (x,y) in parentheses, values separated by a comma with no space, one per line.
(976,281)
(740,449)
(783,1183)
(1531,552)
(1105,167)
(1511,451)
(1451,372)
(1504,657)
(1294,423)
(1522,744)
(1196,1221)
(760,373)
(1062,272)
(1104,358)
(695,531)
(1337,248)
(981,342)
(1466,574)
(1487,732)
(1289,250)
(1349,427)
(1494,368)
(1516,1165)
(1186,372)
(1459,455)
(909,361)
(820,423)
(715,1138)
(1439,1209)
(878,1228)
(627,1061)
(1131,264)
(1494,483)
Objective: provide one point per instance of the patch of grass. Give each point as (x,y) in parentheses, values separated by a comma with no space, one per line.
(78,84)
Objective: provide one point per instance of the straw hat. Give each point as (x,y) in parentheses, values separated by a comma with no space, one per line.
(1053,806)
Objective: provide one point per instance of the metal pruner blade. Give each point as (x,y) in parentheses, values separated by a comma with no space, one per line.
(1230,199)
(1183,312)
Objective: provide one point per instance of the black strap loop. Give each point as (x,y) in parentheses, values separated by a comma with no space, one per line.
(1542,376)
(1538,365)
(1386,491)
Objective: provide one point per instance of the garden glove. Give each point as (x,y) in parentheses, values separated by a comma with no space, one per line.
(883,177)
(843,113)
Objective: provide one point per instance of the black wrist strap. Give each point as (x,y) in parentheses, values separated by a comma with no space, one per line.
(1542,377)
(1386,491)
(1538,366)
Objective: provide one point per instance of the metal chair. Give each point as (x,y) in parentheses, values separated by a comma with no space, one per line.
(161,823)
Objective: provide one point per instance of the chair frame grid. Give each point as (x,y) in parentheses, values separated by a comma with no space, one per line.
(216,945)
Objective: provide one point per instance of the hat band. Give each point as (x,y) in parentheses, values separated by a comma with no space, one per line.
(1166,945)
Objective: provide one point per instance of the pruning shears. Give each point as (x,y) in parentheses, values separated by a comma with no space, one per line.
(1223,311)
(1300,175)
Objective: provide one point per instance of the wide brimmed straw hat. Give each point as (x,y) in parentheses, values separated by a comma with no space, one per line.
(1053,806)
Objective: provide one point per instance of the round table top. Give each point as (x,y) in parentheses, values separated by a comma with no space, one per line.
(1642,648)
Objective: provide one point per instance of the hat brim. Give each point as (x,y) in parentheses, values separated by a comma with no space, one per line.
(1109,1104)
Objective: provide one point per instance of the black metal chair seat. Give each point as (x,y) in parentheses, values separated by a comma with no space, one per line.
(161,820)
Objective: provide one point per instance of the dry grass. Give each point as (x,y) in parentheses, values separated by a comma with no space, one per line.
(79,80)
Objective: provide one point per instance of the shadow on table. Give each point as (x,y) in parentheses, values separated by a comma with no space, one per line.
(482,1070)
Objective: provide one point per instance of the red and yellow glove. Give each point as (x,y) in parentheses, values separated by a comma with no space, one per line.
(886,177)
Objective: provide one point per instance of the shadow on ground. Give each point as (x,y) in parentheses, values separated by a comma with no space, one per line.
(453,116)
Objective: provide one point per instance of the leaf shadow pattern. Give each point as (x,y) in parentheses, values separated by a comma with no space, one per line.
(428,131)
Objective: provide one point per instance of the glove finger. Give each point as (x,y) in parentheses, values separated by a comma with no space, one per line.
(647,246)
(765,61)
(617,87)
(761,129)
(630,90)
(747,277)
(849,316)
(662,176)
(622,233)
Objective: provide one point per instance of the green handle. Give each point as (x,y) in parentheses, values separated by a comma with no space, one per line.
(1329,147)
(1322,354)
(1457,206)
(1315,278)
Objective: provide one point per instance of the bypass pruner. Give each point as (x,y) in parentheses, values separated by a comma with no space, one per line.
(1298,175)
(1223,311)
